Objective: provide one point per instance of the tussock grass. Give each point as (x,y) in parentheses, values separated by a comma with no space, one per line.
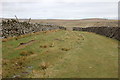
(44,65)
(65,49)
(47,45)
(26,53)
(43,46)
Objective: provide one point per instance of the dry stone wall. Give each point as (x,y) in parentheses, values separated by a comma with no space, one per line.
(111,32)
(12,27)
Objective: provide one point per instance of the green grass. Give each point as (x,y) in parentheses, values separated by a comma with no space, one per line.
(68,54)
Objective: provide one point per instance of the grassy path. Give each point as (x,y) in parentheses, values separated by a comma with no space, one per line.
(62,54)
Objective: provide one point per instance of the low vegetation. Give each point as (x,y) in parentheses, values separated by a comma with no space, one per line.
(61,54)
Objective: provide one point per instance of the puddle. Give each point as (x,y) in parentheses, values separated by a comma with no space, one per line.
(16,76)
(27,72)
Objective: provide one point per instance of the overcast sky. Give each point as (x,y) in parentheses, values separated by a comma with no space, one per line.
(59,9)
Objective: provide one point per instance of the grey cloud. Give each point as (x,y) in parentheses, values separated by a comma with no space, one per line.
(61,10)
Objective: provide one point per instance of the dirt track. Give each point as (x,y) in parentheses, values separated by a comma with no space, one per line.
(23,45)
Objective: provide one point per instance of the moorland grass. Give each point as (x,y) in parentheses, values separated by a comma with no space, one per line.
(70,54)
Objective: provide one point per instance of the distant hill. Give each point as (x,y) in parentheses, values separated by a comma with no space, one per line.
(96,22)
(90,22)
(95,19)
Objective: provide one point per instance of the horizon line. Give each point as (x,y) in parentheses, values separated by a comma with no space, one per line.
(63,18)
